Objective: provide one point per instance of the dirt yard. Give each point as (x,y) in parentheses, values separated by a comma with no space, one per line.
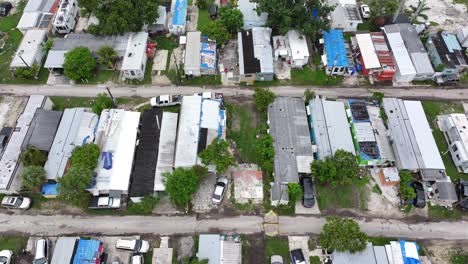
(10,108)
(446,13)
(440,251)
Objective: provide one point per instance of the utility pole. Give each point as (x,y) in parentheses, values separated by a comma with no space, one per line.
(19,55)
(111,96)
(400,7)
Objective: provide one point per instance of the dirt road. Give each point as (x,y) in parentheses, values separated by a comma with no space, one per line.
(163,225)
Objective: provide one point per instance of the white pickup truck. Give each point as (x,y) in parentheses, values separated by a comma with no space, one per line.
(102,202)
(166,100)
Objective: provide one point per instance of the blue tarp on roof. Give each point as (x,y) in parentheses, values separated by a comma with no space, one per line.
(107,157)
(315,13)
(50,189)
(412,256)
(335,48)
(208,53)
(87,252)
(180,12)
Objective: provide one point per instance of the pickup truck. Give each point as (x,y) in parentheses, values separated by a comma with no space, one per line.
(103,202)
(166,100)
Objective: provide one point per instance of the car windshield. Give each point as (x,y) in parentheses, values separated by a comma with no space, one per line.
(3,260)
(40,261)
(138,245)
(157,100)
(308,196)
(217,197)
(18,201)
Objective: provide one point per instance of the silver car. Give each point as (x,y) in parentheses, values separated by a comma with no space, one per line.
(276,259)
(220,190)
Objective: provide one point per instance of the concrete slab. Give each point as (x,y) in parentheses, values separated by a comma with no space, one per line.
(300,242)
(229,63)
(386,151)
(57,79)
(192,18)
(282,70)
(271,230)
(300,209)
(176,56)
(248,184)
(160,60)
(109,247)
(164,207)
(185,248)
(163,254)
(202,198)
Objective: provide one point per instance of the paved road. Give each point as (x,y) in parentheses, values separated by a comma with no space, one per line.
(162,225)
(149,91)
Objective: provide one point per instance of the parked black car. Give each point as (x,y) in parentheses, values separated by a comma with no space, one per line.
(462,194)
(213,9)
(308,198)
(297,257)
(420,200)
(5,8)
(5,134)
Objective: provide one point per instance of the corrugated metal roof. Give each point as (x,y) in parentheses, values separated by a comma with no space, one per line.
(31,48)
(209,248)
(447,191)
(188,134)
(63,250)
(369,55)
(364,257)
(87,252)
(335,48)
(400,53)
(262,48)
(135,53)
(451,41)
(231,252)
(380,255)
(167,143)
(42,131)
(192,53)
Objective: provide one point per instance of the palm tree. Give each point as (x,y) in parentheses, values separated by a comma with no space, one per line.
(418,11)
(107,56)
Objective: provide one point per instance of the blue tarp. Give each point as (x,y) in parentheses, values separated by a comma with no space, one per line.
(208,53)
(87,251)
(407,259)
(315,13)
(50,189)
(107,157)
(180,12)
(335,48)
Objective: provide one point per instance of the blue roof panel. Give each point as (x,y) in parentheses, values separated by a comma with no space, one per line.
(208,53)
(87,252)
(180,12)
(335,48)
(451,42)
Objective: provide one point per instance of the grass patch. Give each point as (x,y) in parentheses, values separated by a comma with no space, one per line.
(376,189)
(148,256)
(381,241)
(101,76)
(308,76)
(465,2)
(13,243)
(203,19)
(276,246)
(197,81)
(364,26)
(464,78)
(314,260)
(439,212)
(165,43)
(459,259)
(432,110)
(60,103)
(352,195)
(244,135)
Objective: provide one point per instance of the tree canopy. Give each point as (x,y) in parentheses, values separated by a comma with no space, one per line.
(33,157)
(86,156)
(217,153)
(102,102)
(119,16)
(73,184)
(407,192)
(263,98)
(232,18)
(294,192)
(264,147)
(337,170)
(342,234)
(79,64)
(284,15)
(216,30)
(33,177)
(107,56)
(181,184)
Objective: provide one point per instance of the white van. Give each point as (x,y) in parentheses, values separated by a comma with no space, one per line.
(42,252)
(137,259)
(136,245)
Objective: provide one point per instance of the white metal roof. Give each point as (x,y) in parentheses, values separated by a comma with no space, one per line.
(162,16)
(369,55)
(430,154)
(192,52)
(250,15)
(10,157)
(262,48)
(76,128)
(298,44)
(167,142)
(55,59)
(210,114)
(30,49)
(29,19)
(136,51)
(188,134)
(400,54)
(364,132)
(63,250)
(116,133)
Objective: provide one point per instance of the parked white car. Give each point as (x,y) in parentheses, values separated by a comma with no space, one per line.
(16,202)
(165,100)
(42,252)
(220,190)
(276,259)
(137,259)
(135,245)
(365,11)
(6,256)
